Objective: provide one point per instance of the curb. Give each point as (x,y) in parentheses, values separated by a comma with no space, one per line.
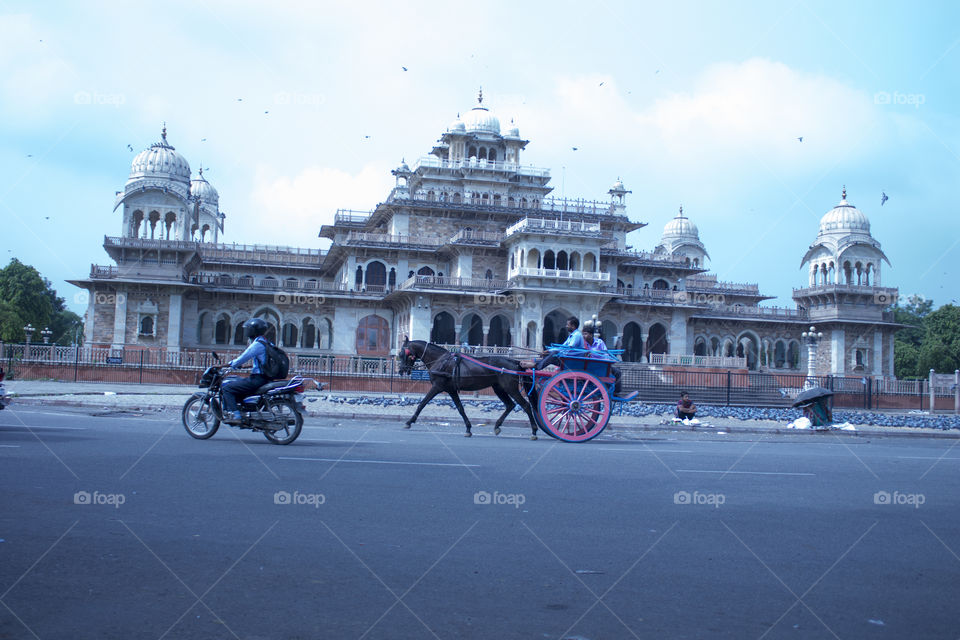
(866,432)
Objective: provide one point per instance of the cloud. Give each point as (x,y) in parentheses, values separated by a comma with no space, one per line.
(298,206)
(760,108)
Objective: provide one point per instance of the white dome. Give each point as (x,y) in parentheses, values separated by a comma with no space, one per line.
(161,160)
(199,187)
(513,131)
(681,227)
(617,186)
(844,218)
(456,125)
(481,120)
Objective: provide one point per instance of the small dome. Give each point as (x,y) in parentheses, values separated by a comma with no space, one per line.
(403,166)
(681,226)
(199,187)
(481,120)
(513,131)
(456,125)
(844,218)
(617,186)
(161,160)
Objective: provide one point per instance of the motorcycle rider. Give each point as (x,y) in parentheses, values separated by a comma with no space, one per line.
(237,388)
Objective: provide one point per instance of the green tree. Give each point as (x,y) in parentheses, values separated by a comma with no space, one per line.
(909,340)
(941,340)
(28,298)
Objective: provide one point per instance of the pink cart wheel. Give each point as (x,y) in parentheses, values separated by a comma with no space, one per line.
(574,406)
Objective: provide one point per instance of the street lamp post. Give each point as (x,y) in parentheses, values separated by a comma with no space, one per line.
(28,331)
(46,333)
(812,338)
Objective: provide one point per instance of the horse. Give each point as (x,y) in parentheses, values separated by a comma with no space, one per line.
(451,373)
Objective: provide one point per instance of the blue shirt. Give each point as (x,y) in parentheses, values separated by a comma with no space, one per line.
(574,340)
(598,345)
(256,351)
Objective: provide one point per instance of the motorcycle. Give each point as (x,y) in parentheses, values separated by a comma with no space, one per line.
(276,409)
(4,398)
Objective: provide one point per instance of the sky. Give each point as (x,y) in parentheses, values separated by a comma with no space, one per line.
(301,108)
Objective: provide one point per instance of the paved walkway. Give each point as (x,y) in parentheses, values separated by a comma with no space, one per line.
(147,397)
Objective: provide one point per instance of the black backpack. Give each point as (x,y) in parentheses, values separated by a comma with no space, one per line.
(276,364)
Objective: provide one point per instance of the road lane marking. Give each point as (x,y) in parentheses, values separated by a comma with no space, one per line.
(28,428)
(754,473)
(925,458)
(637,449)
(9,446)
(347,441)
(424,464)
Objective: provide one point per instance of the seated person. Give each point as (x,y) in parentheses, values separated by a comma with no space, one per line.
(235,389)
(595,343)
(573,341)
(685,407)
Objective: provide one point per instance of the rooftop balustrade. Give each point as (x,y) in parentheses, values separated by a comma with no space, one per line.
(561,274)
(445,282)
(548,225)
(432,162)
(364,238)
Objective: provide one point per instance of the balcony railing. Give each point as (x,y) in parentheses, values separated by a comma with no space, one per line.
(477,237)
(720,362)
(646,257)
(260,254)
(432,162)
(463,284)
(560,274)
(100,272)
(546,225)
(772,313)
(711,284)
(363,238)
(889,292)
(288,286)
(349,216)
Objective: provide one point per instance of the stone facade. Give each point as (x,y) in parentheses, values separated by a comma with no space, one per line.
(470,247)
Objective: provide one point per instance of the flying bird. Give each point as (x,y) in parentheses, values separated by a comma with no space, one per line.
(883,198)
(203,139)
(239,99)
(404,68)
(129,148)
(266,112)
(800,138)
(574,148)
(600,85)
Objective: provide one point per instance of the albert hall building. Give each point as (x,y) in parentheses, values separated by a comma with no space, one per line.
(470,248)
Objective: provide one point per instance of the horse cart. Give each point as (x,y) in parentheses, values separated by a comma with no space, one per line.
(574,404)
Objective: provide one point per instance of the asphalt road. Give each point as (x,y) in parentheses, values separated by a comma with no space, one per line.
(122,526)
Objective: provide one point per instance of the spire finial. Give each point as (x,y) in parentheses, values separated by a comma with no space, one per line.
(163,133)
(844,197)
(201,169)
(681,211)
(480,96)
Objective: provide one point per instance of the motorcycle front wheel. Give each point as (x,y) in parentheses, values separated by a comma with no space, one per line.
(199,418)
(285,413)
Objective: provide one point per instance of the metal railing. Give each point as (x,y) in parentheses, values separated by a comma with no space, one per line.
(572,227)
(593,276)
(446,282)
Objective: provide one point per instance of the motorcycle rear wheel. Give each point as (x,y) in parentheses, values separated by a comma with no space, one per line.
(284,411)
(199,418)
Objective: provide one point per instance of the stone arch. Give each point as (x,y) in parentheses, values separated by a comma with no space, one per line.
(533,259)
(376,274)
(589,261)
(146,326)
(700,346)
(530,339)
(169,225)
(288,337)
(492,155)
(444,329)
(471,330)
(715,346)
(660,284)
(779,354)
(373,336)
(238,333)
(221,331)
(729,349)
(554,327)
(657,339)
(425,271)
(499,333)
(748,346)
(793,355)
(549,259)
(135,221)
(608,331)
(153,218)
(308,333)
(203,326)
(847,273)
(575,261)
(563,261)
(632,342)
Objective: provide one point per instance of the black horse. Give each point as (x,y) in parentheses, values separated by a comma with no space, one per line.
(452,373)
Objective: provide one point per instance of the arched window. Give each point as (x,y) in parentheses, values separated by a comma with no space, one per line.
(549,259)
(308,334)
(425,271)
(472,152)
(492,155)
(489,274)
(358,280)
(482,153)
(291,283)
(392,278)
(661,285)
(780,354)
(146,326)
(154,219)
(562,261)
(135,221)
(373,336)
(168,222)
(657,340)
(444,329)
(499,334)
(221,333)
(699,346)
(238,334)
(376,274)
(289,337)
(632,342)
(533,259)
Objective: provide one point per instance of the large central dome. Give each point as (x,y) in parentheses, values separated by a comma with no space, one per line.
(161,160)
(481,120)
(681,227)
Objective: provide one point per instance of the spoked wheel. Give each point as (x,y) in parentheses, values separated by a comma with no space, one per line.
(283,412)
(199,418)
(574,406)
(535,406)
